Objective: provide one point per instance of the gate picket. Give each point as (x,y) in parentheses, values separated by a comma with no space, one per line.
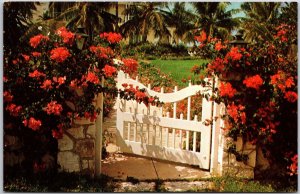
(156,122)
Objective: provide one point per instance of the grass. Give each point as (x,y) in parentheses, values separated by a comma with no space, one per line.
(178,69)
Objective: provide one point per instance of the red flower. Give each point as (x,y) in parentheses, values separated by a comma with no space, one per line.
(236,112)
(32,123)
(102,52)
(253,82)
(36,54)
(216,65)
(234,54)
(36,74)
(7,96)
(93,78)
(279,80)
(47,84)
(26,57)
(226,89)
(140,95)
(219,46)
(53,108)
(291,96)
(125,85)
(60,54)
(111,37)
(130,65)
(67,36)
(35,41)
(13,109)
(202,37)
(109,70)
(294,166)
(60,80)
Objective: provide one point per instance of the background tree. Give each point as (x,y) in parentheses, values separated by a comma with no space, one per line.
(146,16)
(93,16)
(214,19)
(182,20)
(260,17)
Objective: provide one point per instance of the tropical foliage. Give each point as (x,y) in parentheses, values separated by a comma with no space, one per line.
(214,19)
(51,83)
(145,17)
(258,86)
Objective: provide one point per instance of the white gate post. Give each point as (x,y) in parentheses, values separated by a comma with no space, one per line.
(98,135)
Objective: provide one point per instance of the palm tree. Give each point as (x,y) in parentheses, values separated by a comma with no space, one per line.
(145,16)
(180,19)
(260,17)
(90,15)
(214,19)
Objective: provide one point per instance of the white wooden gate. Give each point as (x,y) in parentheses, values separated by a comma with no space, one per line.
(149,131)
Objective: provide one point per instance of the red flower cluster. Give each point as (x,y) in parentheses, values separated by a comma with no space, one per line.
(53,108)
(102,52)
(7,96)
(216,65)
(58,134)
(219,46)
(32,123)
(234,54)
(111,37)
(130,66)
(294,166)
(59,80)
(226,89)
(253,82)
(281,81)
(92,77)
(236,112)
(67,36)
(13,109)
(59,54)
(36,74)
(26,57)
(202,37)
(35,41)
(36,54)
(291,96)
(47,84)
(109,70)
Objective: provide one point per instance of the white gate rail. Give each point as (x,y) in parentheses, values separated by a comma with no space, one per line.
(148,131)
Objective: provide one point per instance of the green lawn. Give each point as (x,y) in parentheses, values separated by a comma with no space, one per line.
(178,69)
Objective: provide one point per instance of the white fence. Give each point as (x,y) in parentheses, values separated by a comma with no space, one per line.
(149,131)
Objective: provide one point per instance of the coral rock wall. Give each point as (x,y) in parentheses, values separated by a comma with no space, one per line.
(77,148)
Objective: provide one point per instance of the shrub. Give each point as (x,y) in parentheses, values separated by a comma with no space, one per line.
(258,87)
(50,83)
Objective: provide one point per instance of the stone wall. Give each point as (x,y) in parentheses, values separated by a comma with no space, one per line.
(77,148)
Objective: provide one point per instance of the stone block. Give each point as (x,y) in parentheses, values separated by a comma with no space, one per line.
(65,143)
(85,148)
(68,161)
(77,132)
(91,131)
(88,164)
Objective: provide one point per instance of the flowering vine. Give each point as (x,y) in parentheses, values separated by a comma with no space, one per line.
(258,87)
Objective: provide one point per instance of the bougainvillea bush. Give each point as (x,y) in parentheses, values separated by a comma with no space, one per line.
(258,86)
(52,81)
